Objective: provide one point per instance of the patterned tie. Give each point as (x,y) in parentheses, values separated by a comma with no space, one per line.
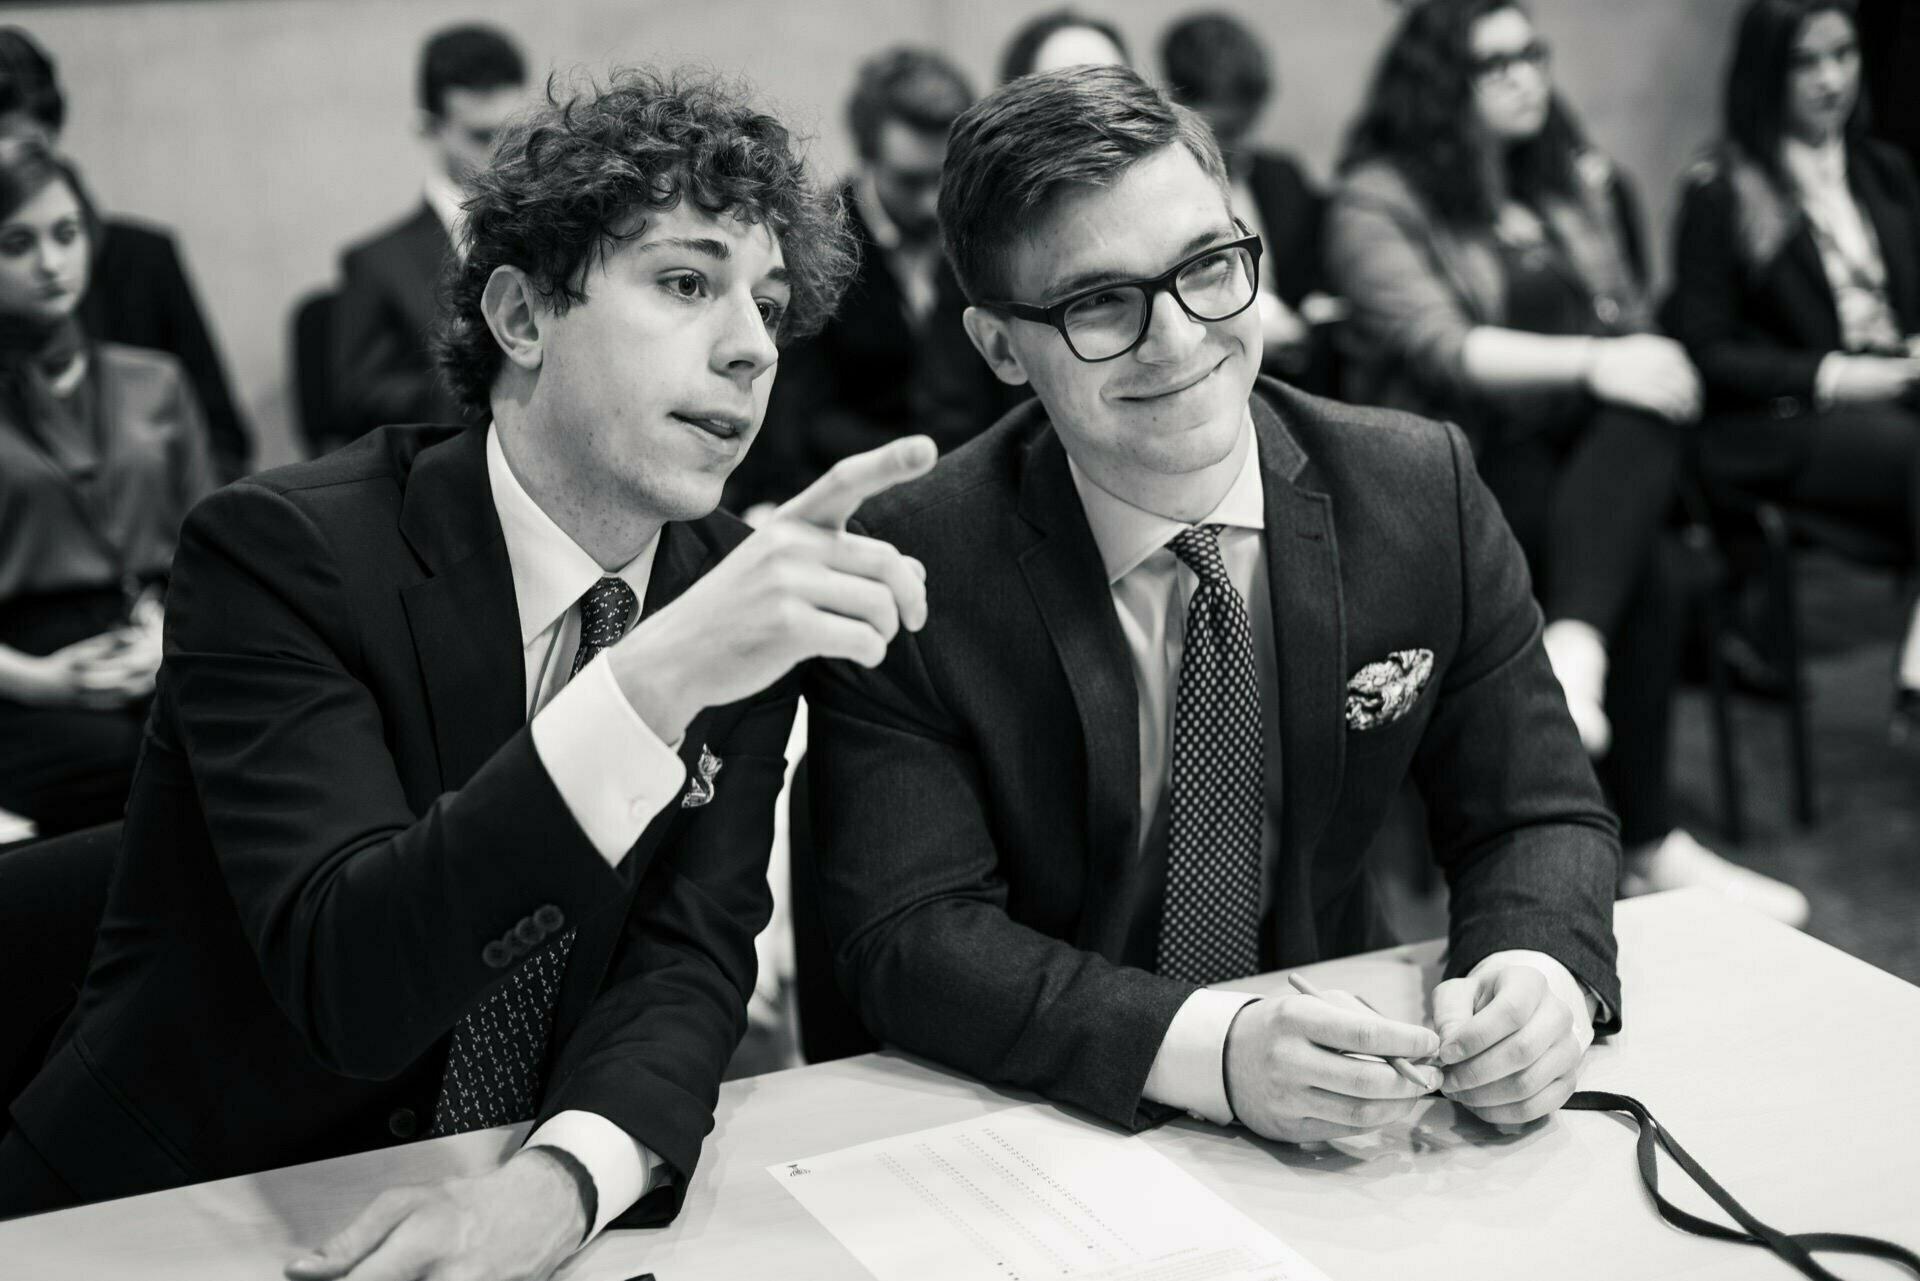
(1210,918)
(495,1056)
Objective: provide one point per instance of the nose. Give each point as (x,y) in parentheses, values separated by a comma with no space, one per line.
(1172,334)
(743,349)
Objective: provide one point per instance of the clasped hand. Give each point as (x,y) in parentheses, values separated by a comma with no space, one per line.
(1508,1050)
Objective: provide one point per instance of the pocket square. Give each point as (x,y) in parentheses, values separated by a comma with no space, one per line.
(700,786)
(1381,693)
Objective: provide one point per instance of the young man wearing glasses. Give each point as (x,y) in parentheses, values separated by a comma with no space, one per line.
(1193,630)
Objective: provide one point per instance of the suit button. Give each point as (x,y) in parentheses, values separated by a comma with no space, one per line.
(1606,310)
(549,918)
(402,1124)
(1785,406)
(496,955)
(526,933)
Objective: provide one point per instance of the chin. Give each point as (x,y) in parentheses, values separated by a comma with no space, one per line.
(689,495)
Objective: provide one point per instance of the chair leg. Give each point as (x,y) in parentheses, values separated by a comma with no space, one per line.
(1786,624)
(1726,767)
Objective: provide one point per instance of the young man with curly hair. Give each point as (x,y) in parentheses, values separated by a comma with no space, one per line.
(455,806)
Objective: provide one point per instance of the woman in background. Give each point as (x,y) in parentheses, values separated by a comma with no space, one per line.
(1797,290)
(102,450)
(1492,260)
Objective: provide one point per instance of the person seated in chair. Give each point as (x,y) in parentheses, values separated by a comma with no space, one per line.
(1194,628)
(455,803)
(472,81)
(1797,290)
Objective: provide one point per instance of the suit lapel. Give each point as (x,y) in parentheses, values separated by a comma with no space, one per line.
(1893,228)
(1064,572)
(464,618)
(1309,636)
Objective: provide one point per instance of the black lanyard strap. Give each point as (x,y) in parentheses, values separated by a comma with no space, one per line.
(1795,1248)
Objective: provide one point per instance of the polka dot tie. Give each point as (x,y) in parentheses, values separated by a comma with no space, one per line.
(495,1057)
(1210,917)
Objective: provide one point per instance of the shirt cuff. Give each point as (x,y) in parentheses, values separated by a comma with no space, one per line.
(621,1165)
(611,769)
(1825,376)
(1579,998)
(1189,1071)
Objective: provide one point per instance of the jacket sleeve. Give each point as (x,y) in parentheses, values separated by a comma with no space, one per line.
(650,1053)
(1378,258)
(1707,311)
(371,925)
(917,909)
(1517,821)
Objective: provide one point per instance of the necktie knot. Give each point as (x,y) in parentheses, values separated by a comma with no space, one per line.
(604,612)
(1199,550)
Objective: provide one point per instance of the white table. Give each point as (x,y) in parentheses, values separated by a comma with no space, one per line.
(1788,1068)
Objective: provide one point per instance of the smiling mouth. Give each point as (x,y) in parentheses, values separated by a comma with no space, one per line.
(1195,381)
(723,426)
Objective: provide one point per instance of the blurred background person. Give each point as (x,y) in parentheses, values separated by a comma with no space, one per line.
(102,451)
(1215,65)
(850,388)
(1062,37)
(472,81)
(1797,291)
(140,295)
(1492,258)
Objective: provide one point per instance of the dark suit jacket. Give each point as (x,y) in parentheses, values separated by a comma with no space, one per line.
(1758,331)
(383,324)
(864,380)
(1291,211)
(339,825)
(140,297)
(977,796)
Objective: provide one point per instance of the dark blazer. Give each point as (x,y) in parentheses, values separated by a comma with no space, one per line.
(856,384)
(140,297)
(1759,330)
(1291,211)
(340,839)
(383,324)
(977,796)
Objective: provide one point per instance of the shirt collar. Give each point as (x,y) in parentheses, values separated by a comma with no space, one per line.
(444,197)
(1818,168)
(551,572)
(1126,535)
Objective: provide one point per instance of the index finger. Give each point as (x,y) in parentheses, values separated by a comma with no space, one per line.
(1514,1000)
(829,501)
(1362,1031)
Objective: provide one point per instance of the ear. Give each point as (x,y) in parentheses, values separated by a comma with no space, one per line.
(514,313)
(993,338)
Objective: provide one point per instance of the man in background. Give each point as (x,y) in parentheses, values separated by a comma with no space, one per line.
(472,80)
(856,385)
(139,295)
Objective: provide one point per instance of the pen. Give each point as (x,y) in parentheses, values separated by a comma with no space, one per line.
(1400,1065)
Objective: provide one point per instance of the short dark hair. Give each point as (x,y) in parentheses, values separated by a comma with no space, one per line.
(1418,116)
(467,57)
(1755,106)
(917,87)
(1011,152)
(1024,49)
(1211,57)
(28,167)
(28,82)
(568,179)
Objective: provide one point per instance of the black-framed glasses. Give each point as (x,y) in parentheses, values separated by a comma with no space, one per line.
(1108,321)
(1535,53)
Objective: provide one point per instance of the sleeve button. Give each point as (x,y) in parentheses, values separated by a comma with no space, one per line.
(549,918)
(402,1124)
(496,955)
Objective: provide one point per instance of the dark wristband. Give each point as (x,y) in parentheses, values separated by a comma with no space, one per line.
(582,1182)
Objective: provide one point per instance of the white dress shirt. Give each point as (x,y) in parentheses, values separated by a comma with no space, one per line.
(613,772)
(1151,589)
(445,198)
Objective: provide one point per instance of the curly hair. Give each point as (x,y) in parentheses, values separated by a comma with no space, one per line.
(1419,115)
(568,180)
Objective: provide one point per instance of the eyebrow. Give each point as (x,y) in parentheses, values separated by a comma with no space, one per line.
(706,246)
(1104,276)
